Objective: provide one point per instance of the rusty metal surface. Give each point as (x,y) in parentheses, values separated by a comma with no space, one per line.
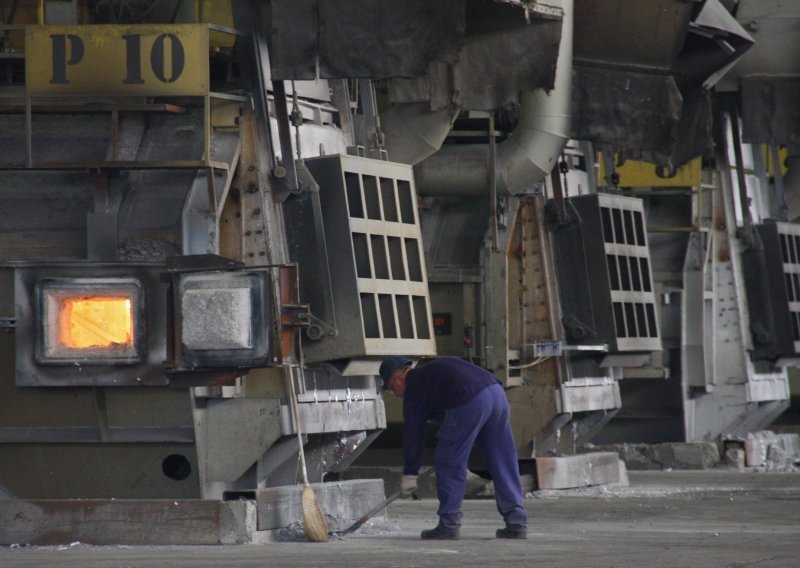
(643,115)
(504,53)
(647,34)
(363,38)
(645,109)
(539,307)
(294,315)
(499,61)
(633,59)
(534,315)
(480,54)
(770,109)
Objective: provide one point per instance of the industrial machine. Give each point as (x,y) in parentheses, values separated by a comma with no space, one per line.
(203,201)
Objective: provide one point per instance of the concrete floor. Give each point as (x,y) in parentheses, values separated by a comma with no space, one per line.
(697,519)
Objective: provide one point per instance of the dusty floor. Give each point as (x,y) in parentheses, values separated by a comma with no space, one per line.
(697,519)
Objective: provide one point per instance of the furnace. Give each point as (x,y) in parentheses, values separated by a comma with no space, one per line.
(222,319)
(91,321)
(90,324)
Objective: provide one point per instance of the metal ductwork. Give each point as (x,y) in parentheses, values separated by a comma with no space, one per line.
(649,65)
(412,132)
(528,154)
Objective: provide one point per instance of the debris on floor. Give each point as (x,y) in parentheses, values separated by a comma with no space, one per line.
(768,451)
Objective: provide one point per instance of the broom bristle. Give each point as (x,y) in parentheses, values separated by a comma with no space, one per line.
(314,523)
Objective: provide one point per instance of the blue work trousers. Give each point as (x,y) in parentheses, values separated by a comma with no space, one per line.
(483,422)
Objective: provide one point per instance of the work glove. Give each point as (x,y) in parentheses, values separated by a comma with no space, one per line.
(408,484)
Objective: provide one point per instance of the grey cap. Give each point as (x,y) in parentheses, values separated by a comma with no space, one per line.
(390,365)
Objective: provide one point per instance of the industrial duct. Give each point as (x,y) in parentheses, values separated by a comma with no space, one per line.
(526,156)
(412,132)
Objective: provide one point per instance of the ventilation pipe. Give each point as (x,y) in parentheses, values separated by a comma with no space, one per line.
(412,132)
(526,156)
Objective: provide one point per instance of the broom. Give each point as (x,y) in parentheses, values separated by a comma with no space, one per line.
(314,523)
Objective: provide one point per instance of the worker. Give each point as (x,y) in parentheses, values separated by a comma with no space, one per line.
(471,407)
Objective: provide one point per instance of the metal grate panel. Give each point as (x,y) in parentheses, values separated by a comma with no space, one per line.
(605,274)
(789,237)
(629,273)
(379,287)
(386,245)
(772,280)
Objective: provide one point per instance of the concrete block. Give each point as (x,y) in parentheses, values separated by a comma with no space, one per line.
(528,483)
(480,488)
(391,479)
(690,455)
(582,470)
(238,522)
(774,452)
(477,486)
(790,444)
(121,522)
(624,481)
(693,455)
(735,458)
(755,448)
(636,456)
(344,502)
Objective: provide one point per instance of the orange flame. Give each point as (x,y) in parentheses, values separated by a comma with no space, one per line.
(100,321)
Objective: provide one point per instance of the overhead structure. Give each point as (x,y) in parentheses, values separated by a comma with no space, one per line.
(651,67)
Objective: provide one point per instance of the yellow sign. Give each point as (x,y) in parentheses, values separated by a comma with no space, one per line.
(221,14)
(633,173)
(146,60)
(769,159)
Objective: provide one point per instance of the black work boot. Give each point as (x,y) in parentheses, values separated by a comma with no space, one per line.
(512,531)
(440,533)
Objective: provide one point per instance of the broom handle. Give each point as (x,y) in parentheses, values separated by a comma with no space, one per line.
(378,508)
(295,411)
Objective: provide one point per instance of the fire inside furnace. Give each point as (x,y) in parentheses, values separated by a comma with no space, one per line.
(90,322)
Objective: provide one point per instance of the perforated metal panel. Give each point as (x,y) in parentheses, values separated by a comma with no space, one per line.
(379,288)
(605,274)
(772,280)
(790,256)
(629,274)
